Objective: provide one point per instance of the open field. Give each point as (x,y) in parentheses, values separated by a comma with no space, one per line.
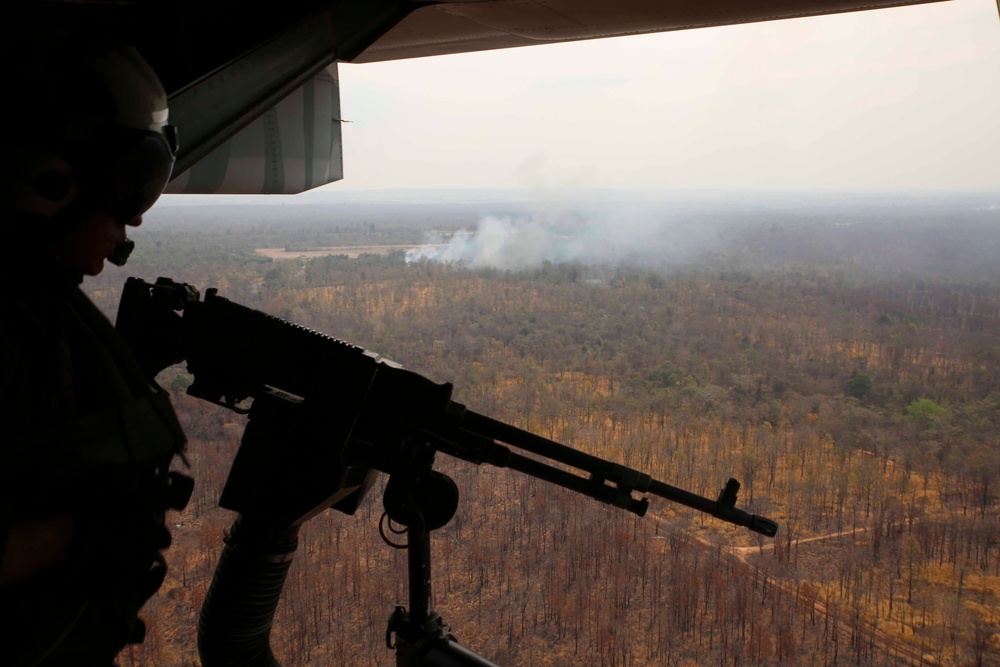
(352,251)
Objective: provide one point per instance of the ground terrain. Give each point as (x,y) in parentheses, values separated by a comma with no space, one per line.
(842,367)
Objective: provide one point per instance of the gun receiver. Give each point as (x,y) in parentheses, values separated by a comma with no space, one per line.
(326,414)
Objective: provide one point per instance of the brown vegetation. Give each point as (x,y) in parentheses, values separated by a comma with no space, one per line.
(861,414)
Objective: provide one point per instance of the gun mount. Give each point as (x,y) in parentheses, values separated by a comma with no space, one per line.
(327,416)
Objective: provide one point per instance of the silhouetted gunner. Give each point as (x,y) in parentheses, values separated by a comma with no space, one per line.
(87,439)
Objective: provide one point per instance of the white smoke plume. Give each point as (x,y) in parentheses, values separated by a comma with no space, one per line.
(519,243)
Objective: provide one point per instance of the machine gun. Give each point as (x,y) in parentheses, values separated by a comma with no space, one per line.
(325,417)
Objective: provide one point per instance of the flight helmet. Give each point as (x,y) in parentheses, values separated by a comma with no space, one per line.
(89,132)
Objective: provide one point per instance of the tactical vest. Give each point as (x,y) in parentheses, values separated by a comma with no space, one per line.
(85,434)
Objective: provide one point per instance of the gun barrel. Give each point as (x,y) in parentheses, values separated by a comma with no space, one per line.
(609,482)
(536,444)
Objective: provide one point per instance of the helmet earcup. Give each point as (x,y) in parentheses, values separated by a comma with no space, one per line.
(45,186)
(53,186)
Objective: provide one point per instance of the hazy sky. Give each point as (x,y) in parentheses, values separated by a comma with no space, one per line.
(906,97)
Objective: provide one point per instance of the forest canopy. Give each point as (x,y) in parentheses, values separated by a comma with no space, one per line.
(837,354)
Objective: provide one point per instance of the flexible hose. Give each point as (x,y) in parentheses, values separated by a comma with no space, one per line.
(234,629)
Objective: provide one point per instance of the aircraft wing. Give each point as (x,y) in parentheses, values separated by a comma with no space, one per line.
(477,25)
(253,88)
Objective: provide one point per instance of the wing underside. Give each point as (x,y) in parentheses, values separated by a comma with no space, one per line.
(457,27)
(253,90)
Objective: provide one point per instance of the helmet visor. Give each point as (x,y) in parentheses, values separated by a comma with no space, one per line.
(135,175)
